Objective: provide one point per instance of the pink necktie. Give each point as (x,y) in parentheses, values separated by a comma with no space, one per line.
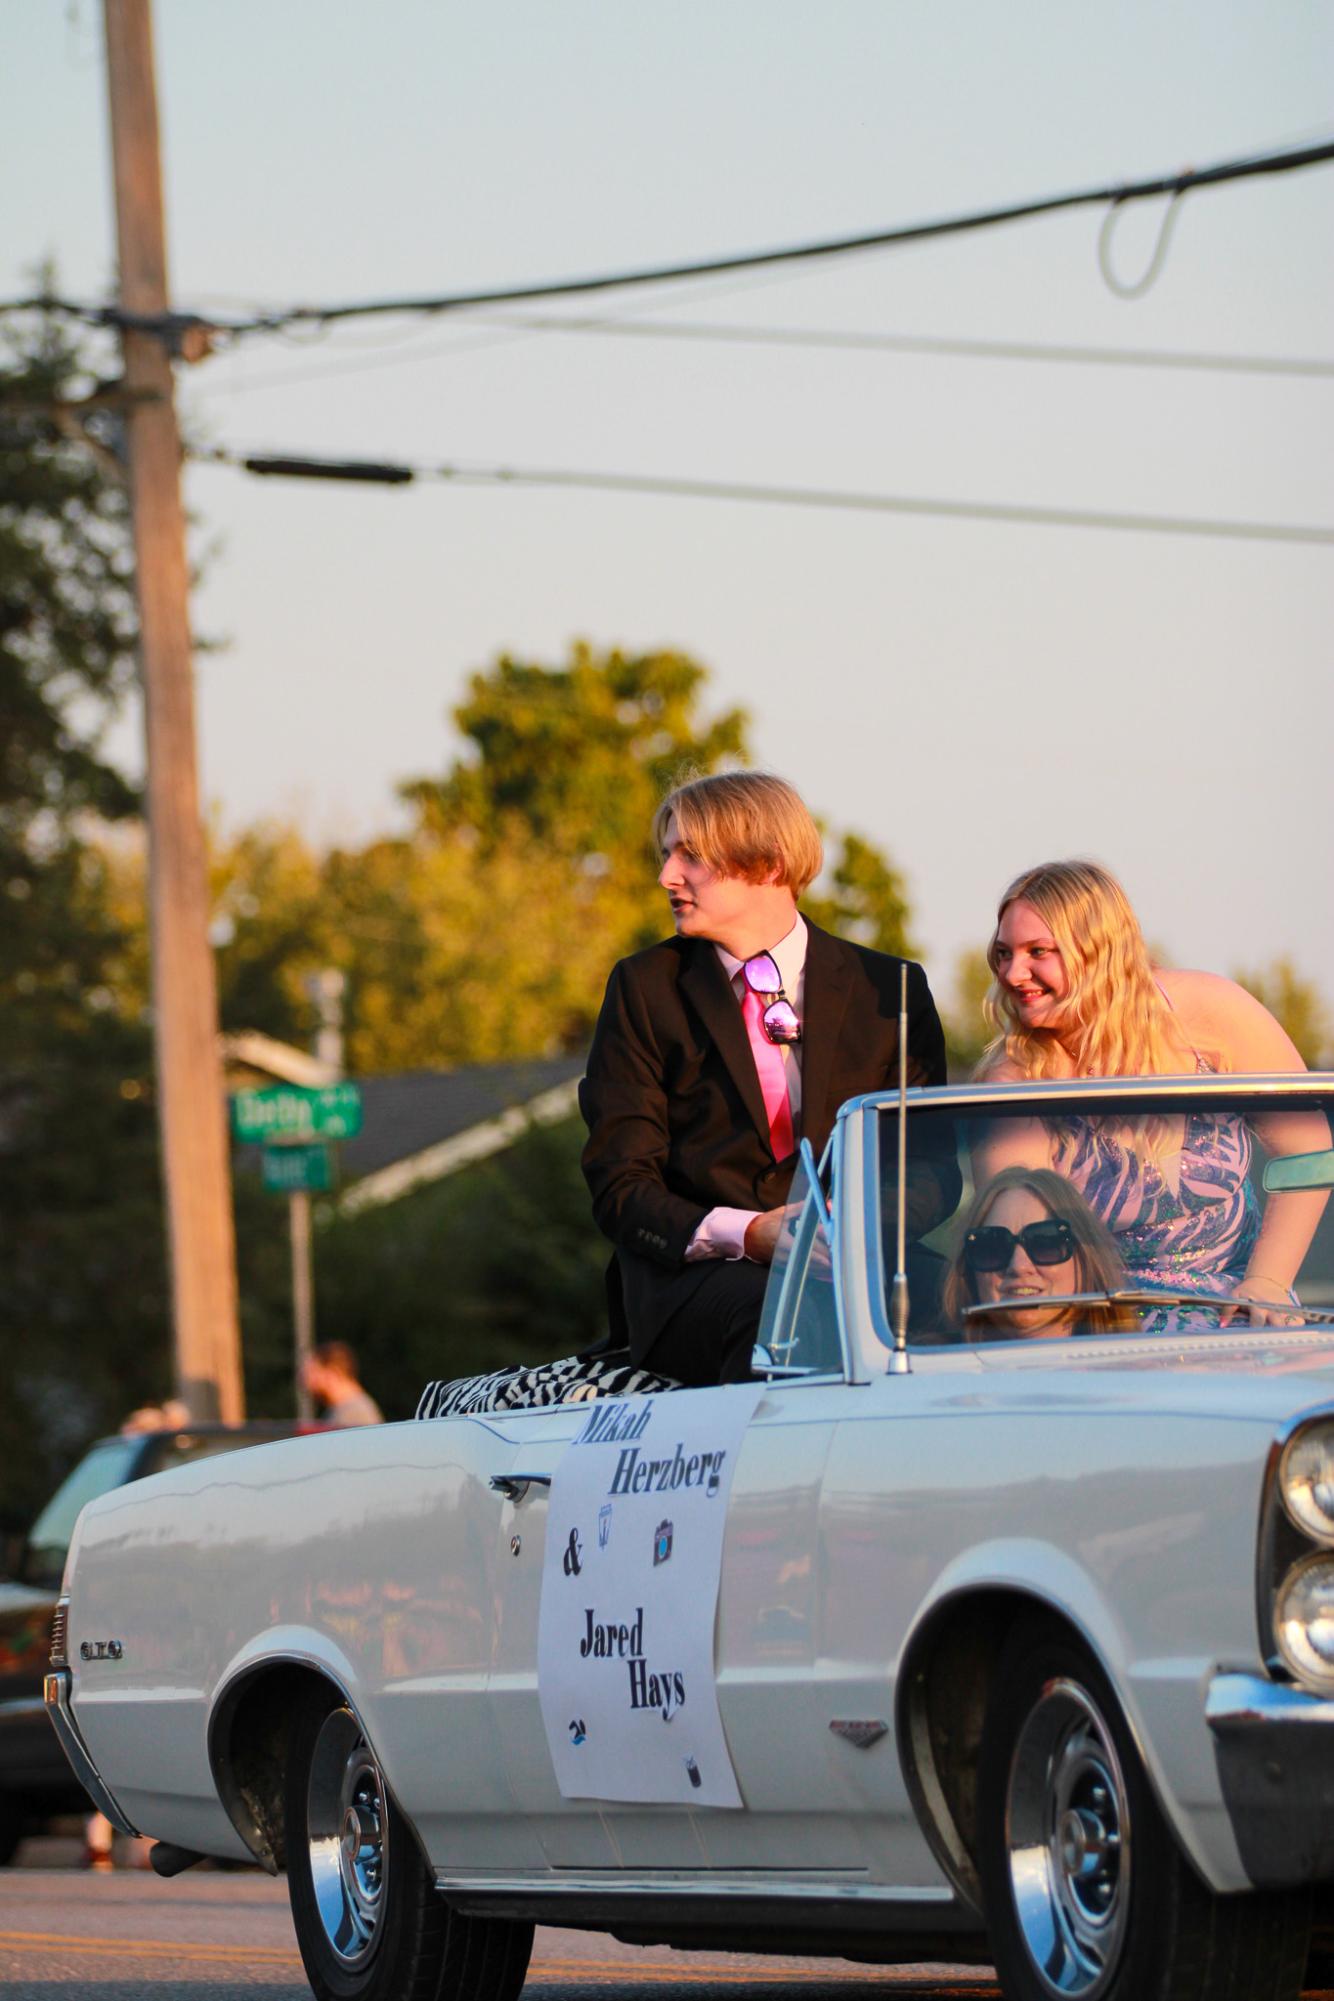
(773,1076)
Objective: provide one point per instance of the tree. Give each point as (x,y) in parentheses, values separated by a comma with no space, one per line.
(577,757)
(1297,1005)
(67,634)
(967,1031)
(271,927)
(866,901)
(83,1311)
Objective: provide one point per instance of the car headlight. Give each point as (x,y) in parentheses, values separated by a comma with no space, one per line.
(1306,1481)
(1304,1622)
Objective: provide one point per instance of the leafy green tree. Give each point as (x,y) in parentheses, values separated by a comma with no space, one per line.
(866,899)
(966,1030)
(83,1307)
(577,757)
(1297,1004)
(461,954)
(271,929)
(67,634)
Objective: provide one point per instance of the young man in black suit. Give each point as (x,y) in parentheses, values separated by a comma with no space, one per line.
(714,1053)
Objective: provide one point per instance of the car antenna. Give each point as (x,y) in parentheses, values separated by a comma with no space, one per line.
(898,1292)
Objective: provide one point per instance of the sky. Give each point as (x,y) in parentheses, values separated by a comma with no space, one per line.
(973,696)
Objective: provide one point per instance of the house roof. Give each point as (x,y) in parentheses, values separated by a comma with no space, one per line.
(406,1113)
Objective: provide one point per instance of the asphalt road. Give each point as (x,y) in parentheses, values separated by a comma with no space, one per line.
(212,1936)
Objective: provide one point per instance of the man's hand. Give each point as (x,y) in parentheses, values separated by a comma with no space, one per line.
(761,1239)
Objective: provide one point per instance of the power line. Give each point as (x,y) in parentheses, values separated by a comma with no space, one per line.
(270,465)
(173,325)
(814,339)
(892,343)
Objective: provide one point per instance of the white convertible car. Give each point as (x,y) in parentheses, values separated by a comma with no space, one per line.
(993,1623)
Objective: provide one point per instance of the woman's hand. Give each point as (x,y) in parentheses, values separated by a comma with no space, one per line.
(1265,1302)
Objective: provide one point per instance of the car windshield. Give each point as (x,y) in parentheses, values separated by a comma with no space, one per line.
(1167,1211)
(110,1463)
(106,1466)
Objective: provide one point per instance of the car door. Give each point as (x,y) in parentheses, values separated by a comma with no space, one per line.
(565,1832)
(818,1583)
(768,1633)
(432,1571)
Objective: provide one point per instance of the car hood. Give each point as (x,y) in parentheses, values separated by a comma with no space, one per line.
(1266,1351)
(1261,1372)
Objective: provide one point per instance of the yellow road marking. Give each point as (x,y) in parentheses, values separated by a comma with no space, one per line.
(566,1972)
(718,1971)
(263,1955)
(609,1975)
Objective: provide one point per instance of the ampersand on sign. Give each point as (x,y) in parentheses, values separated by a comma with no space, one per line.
(573,1552)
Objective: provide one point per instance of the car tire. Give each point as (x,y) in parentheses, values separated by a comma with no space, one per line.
(1087,1896)
(369,1922)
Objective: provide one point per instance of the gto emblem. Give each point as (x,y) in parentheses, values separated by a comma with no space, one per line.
(102,1650)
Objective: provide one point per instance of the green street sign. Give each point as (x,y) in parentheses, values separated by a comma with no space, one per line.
(297,1168)
(291,1111)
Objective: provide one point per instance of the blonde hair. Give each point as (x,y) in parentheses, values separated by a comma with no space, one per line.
(1114,1019)
(747,824)
(1098,1266)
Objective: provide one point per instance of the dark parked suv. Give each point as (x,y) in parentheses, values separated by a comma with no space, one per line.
(35,1779)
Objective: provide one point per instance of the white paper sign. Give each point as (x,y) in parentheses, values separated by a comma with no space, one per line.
(629,1595)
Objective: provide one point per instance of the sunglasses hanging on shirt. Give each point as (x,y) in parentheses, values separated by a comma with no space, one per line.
(779,1019)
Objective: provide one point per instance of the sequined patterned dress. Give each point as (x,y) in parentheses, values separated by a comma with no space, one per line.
(1199,1232)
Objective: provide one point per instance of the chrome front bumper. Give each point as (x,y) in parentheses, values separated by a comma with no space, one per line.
(57,1692)
(1275,1750)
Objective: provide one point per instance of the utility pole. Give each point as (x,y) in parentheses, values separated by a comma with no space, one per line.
(201,1238)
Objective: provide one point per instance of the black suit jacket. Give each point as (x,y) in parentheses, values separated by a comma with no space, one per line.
(675,1115)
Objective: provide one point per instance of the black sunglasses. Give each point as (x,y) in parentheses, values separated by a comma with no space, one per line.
(991,1249)
(779,1019)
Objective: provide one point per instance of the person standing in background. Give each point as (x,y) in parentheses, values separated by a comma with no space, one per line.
(331,1374)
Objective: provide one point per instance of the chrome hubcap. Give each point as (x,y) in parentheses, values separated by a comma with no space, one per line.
(345,1833)
(1068,1840)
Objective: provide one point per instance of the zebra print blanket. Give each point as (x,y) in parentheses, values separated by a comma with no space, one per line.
(572,1380)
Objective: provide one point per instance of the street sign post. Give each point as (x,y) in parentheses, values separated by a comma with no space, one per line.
(292,1124)
(293,1111)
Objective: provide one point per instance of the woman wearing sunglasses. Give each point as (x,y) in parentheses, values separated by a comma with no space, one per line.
(1030,1237)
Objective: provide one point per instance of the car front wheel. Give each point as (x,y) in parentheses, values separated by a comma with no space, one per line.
(1088,1897)
(369,1922)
